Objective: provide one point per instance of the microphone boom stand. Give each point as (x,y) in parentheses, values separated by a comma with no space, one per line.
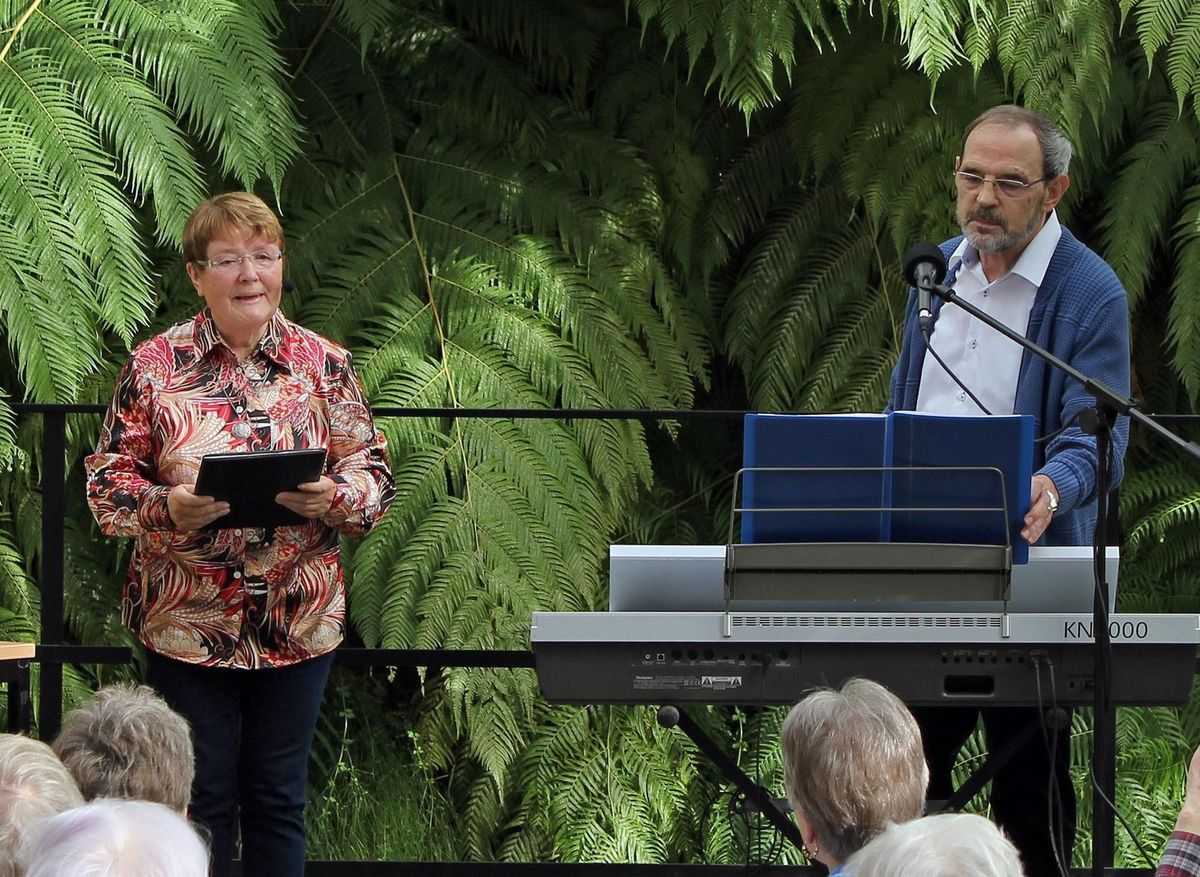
(1097,421)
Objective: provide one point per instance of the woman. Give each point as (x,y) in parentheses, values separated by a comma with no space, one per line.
(853,764)
(239,624)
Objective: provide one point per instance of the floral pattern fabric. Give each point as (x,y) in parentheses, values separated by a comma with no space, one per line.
(235,597)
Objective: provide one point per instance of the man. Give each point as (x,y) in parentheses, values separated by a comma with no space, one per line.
(127,743)
(1016,262)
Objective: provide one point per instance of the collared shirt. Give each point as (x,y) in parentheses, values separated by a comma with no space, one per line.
(233,597)
(984,360)
(1181,857)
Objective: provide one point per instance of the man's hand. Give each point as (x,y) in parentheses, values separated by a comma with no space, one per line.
(312,500)
(1043,497)
(191,512)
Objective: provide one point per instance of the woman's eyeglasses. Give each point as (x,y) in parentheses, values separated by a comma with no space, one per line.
(262,261)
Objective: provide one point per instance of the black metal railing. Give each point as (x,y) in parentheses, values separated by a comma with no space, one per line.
(53,651)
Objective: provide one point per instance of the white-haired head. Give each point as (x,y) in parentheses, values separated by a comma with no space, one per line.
(34,785)
(118,836)
(945,845)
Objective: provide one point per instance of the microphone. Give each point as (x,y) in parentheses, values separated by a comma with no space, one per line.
(924,268)
(288,286)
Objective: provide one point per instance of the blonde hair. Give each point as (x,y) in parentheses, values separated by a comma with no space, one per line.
(224,215)
(853,763)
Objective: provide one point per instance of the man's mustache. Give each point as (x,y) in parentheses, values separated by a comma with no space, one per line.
(991,216)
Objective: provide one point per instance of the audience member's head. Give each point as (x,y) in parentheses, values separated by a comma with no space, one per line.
(946,845)
(115,836)
(34,786)
(127,743)
(852,763)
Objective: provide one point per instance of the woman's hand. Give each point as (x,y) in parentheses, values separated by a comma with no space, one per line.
(312,500)
(191,512)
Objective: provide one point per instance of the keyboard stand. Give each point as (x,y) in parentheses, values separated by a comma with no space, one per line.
(755,795)
(1054,719)
(758,798)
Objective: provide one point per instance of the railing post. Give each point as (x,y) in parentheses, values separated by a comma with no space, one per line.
(54,509)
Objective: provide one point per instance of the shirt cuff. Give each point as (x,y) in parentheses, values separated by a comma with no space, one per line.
(153,512)
(1066,482)
(339,509)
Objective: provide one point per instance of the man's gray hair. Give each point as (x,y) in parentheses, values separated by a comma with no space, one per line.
(945,845)
(114,836)
(127,743)
(34,786)
(1056,148)
(853,763)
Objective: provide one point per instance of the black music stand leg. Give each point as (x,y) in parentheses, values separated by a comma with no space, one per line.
(20,705)
(1054,719)
(672,716)
(1104,764)
(1098,421)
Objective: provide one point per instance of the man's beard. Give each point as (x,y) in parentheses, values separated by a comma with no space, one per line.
(1007,238)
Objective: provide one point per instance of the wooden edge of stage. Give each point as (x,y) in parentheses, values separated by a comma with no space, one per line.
(16,651)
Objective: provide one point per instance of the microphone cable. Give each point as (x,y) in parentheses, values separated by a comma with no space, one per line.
(1074,419)
(777,841)
(1054,815)
(929,348)
(1150,861)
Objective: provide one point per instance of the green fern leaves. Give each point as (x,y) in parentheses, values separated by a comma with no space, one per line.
(90,128)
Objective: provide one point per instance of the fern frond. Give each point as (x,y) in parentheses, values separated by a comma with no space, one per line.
(1183,322)
(218,64)
(1183,58)
(364,18)
(746,42)
(930,32)
(20,600)
(1145,194)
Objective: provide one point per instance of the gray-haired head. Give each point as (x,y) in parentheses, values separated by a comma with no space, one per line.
(34,786)
(853,763)
(118,836)
(945,845)
(127,743)
(1056,148)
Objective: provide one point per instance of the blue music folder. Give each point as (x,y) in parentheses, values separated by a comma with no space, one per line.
(1003,442)
(821,444)
(898,440)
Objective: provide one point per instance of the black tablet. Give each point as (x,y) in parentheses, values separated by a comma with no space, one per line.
(250,483)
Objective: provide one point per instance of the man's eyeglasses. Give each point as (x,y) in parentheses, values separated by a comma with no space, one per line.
(262,261)
(1004,186)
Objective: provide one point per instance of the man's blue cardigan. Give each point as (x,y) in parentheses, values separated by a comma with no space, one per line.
(1081,315)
